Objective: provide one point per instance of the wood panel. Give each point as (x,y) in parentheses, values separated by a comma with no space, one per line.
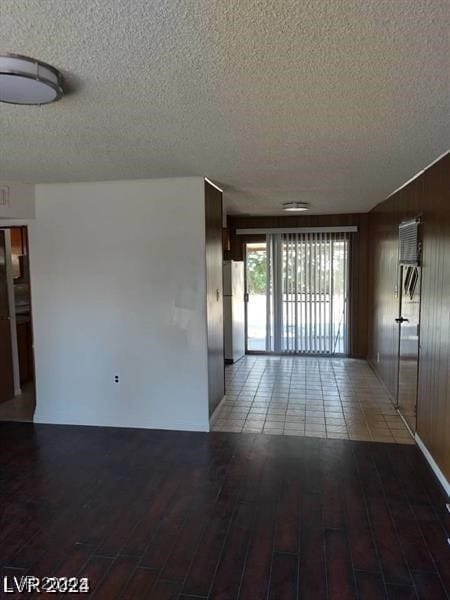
(170,514)
(17,240)
(429,196)
(25,349)
(214,291)
(358,318)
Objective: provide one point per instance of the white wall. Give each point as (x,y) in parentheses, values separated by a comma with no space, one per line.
(118,287)
(21,201)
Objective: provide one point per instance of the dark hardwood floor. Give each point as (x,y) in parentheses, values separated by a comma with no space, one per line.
(159,515)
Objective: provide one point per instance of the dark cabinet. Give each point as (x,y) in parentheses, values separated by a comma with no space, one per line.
(214,292)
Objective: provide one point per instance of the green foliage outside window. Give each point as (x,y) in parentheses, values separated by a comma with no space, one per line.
(256,272)
(318,269)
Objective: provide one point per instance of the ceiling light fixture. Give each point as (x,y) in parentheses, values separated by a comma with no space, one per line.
(25,80)
(295,206)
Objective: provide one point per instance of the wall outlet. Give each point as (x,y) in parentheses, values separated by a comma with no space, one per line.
(116,379)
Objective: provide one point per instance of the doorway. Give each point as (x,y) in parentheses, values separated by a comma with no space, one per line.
(256,296)
(408,320)
(408,354)
(17,386)
(297,293)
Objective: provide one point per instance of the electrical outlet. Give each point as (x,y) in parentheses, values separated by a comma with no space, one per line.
(116,379)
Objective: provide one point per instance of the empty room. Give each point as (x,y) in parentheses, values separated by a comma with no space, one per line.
(225,299)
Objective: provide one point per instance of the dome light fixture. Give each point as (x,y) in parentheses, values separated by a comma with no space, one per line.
(295,206)
(25,80)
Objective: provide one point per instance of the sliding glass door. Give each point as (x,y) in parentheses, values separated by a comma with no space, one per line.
(301,303)
(257,296)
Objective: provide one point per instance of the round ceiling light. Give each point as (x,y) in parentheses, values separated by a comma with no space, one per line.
(25,80)
(295,206)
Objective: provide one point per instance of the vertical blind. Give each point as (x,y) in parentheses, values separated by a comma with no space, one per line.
(307,292)
(408,233)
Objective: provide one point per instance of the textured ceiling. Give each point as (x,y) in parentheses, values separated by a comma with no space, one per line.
(334,102)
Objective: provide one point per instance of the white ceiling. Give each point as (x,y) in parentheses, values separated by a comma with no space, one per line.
(334,102)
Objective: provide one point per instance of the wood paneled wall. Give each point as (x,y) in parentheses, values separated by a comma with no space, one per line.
(428,196)
(358,260)
(214,294)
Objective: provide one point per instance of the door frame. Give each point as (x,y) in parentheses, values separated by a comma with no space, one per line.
(276,258)
(7,226)
(12,312)
(399,335)
(245,299)
(400,271)
(246,296)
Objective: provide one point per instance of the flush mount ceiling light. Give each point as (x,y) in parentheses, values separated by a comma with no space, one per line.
(25,80)
(295,206)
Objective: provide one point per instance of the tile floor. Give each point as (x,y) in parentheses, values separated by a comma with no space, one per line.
(308,396)
(21,407)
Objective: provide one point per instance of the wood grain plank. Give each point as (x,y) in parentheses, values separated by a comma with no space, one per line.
(427,196)
(238,489)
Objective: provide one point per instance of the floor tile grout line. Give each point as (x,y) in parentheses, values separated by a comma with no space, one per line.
(288,388)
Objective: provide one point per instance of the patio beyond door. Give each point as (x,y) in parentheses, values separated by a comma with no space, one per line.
(297,293)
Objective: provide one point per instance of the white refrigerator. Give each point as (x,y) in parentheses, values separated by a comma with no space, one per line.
(233,310)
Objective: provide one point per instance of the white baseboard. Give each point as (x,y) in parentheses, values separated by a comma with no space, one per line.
(437,471)
(64,420)
(406,424)
(430,460)
(213,417)
(372,365)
